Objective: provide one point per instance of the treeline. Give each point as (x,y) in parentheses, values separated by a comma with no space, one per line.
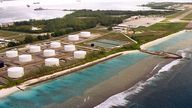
(162,5)
(29,39)
(90,13)
(79,20)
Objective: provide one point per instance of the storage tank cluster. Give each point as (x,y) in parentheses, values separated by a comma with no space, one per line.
(84,34)
(18,72)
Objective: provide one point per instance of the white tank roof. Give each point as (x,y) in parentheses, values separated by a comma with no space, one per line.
(11,54)
(73,37)
(49,52)
(34,48)
(55,44)
(69,48)
(85,34)
(80,54)
(25,58)
(52,62)
(15,72)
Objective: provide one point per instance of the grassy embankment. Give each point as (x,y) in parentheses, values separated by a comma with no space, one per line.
(188,17)
(176,14)
(12,35)
(158,30)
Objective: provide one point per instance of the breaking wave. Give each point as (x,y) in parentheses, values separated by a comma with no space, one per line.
(123,98)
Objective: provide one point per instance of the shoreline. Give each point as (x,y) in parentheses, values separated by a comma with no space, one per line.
(150,74)
(99,93)
(7,91)
(157,41)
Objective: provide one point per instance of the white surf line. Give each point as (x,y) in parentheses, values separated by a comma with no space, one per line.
(121,99)
(130,38)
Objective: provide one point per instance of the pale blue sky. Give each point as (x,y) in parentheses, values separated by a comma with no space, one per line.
(50,2)
(72,1)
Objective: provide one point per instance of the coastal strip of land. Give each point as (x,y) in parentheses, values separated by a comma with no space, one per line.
(25,85)
(127,78)
(157,41)
(8,91)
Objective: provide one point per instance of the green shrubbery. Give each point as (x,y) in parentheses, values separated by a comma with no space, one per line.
(79,20)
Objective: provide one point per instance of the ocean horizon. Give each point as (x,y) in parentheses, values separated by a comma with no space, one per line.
(18,10)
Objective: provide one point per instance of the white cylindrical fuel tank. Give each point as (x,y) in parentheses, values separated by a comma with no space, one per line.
(49,52)
(69,48)
(11,54)
(15,72)
(34,49)
(25,58)
(55,44)
(73,37)
(85,34)
(80,54)
(52,62)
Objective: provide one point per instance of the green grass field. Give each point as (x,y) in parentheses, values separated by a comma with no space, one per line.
(188,17)
(176,14)
(157,31)
(12,35)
